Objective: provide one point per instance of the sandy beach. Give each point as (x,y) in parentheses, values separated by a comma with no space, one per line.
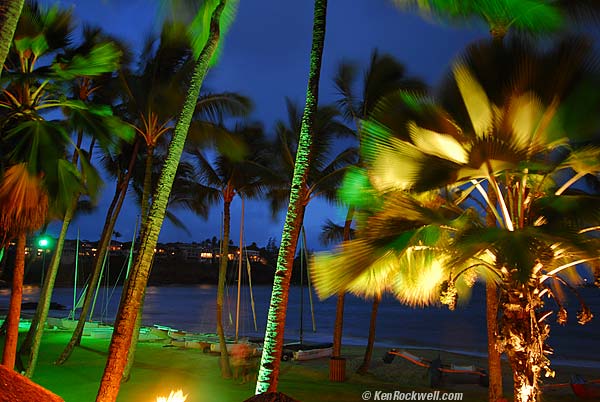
(160,368)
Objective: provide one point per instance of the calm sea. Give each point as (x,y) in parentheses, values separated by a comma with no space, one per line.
(192,308)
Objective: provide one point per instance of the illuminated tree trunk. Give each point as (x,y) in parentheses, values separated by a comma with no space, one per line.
(268,375)
(9,354)
(144,212)
(32,342)
(523,337)
(495,389)
(224,358)
(128,310)
(10,11)
(109,223)
(364,367)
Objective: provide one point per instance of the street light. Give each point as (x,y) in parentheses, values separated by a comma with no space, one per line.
(44,244)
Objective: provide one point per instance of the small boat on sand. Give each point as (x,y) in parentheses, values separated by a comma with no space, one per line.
(585,389)
(306,351)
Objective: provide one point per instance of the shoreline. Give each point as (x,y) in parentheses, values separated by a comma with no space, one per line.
(159,368)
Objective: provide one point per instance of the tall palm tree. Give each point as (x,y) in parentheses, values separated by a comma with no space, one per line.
(34,86)
(223,179)
(125,321)
(10,11)
(91,91)
(427,167)
(383,76)
(268,375)
(149,103)
(154,98)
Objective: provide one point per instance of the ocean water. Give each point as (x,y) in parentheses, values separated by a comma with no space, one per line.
(192,308)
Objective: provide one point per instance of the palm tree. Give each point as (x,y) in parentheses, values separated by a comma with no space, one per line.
(326,168)
(154,97)
(383,76)
(10,11)
(94,93)
(150,99)
(223,180)
(530,17)
(34,88)
(268,375)
(424,170)
(24,205)
(128,311)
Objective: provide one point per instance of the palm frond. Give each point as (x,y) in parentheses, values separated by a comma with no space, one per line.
(23,203)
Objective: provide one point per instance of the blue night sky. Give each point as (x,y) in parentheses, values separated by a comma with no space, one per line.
(266,57)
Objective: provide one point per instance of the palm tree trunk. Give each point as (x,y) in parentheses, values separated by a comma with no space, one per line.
(147,183)
(339,308)
(10,11)
(495,389)
(224,358)
(134,340)
(144,212)
(337,365)
(364,367)
(9,354)
(523,338)
(128,311)
(32,341)
(34,336)
(268,375)
(109,224)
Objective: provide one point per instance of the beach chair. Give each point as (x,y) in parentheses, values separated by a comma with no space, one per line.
(440,373)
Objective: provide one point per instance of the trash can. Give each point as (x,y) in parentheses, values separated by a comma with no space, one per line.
(337,369)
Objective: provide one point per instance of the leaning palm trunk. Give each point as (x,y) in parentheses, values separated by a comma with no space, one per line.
(522,337)
(32,342)
(134,340)
(364,367)
(224,358)
(128,310)
(144,212)
(10,11)
(9,354)
(109,224)
(268,375)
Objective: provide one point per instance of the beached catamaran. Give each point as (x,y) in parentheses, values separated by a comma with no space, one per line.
(97,328)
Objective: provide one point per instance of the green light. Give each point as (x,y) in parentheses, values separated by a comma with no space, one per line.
(43,242)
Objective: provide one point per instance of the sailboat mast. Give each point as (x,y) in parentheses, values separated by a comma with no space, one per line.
(239,284)
(75,275)
(310,299)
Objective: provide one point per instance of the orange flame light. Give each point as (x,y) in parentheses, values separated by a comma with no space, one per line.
(173,397)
